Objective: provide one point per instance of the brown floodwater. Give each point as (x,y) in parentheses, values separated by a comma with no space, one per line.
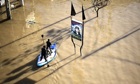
(110,52)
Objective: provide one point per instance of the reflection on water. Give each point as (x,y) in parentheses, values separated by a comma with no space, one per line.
(30,19)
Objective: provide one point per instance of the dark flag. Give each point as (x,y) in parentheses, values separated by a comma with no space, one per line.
(83,14)
(73,13)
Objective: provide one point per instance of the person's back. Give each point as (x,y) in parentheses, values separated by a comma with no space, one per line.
(43,53)
(43,50)
(48,45)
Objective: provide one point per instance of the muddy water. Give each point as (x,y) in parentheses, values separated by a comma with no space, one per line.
(115,63)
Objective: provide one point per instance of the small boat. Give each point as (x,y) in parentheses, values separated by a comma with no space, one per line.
(49,58)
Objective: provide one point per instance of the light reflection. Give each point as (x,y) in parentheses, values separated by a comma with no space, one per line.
(30,19)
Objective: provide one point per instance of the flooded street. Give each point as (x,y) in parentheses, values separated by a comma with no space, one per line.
(111,50)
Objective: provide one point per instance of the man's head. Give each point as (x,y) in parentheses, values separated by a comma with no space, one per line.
(77,30)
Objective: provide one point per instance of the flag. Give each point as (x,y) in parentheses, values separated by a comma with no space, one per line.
(76,29)
(83,14)
(73,13)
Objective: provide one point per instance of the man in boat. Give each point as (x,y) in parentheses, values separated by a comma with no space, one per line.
(43,53)
(48,43)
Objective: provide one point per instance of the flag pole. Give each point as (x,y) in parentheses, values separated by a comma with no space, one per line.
(73,13)
(82,39)
(72,38)
(83,18)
